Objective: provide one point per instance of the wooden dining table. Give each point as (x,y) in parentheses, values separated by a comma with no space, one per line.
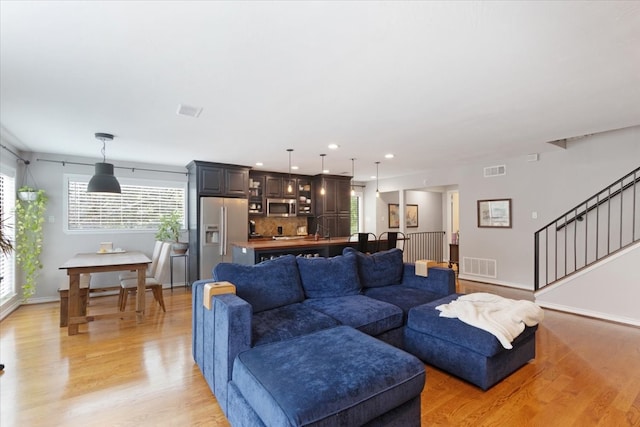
(86,263)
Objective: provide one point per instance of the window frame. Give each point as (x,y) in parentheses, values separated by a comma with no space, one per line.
(10,259)
(67,178)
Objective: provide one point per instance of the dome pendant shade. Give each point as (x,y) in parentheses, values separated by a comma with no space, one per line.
(104,181)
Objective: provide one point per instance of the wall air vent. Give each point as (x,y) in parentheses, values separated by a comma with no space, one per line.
(479,267)
(188,110)
(495,171)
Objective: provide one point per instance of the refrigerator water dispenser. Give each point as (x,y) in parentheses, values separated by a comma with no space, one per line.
(211,234)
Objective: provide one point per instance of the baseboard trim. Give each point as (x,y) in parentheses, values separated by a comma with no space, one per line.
(589,313)
(483,279)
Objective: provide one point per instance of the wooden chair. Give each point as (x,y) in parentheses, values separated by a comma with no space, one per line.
(151,269)
(153,283)
(395,239)
(367,242)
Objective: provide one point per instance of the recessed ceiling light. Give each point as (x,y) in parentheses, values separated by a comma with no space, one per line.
(259,164)
(373,177)
(295,168)
(389,156)
(333,146)
(188,110)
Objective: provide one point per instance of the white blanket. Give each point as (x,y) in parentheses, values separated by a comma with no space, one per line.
(505,318)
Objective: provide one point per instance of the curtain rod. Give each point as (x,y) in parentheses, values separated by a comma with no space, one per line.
(64,163)
(25,161)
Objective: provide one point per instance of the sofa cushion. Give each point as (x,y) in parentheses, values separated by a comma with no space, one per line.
(334,377)
(402,296)
(267,285)
(378,269)
(366,314)
(329,277)
(286,322)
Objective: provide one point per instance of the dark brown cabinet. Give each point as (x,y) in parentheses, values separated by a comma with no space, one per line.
(257,205)
(273,187)
(277,186)
(305,196)
(215,179)
(333,208)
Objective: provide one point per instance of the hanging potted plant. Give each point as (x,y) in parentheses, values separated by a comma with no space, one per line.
(29,234)
(27,194)
(169,231)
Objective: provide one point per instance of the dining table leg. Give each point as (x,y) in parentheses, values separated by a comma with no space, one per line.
(140,303)
(74,302)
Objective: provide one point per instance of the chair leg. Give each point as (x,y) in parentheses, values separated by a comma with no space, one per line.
(157,293)
(122,298)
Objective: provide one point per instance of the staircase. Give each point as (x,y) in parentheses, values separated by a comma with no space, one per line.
(592,231)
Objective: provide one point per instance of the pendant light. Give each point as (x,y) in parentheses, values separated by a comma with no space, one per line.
(290,186)
(103,181)
(353,190)
(322,190)
(377,180)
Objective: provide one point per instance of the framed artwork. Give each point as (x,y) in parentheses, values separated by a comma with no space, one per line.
(394,215)
(494,213)
(412,215)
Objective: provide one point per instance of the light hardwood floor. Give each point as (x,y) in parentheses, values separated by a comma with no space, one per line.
(119,373)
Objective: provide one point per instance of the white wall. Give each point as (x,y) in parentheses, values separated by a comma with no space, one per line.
(430,211)
(559,180)
(603,292)
(59,246)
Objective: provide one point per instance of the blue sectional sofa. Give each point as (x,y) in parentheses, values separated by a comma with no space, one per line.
(287,298)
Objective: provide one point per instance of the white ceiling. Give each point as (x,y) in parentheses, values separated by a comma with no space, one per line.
(435,83)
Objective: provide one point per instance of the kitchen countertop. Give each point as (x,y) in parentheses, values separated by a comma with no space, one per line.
(261,244)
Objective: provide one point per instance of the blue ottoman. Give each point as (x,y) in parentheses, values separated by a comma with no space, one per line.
(464,350)
(335,377)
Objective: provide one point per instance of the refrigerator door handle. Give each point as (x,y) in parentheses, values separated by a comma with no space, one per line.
(223,218)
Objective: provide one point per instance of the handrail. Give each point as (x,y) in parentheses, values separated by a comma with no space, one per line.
(603,224)
(636,180)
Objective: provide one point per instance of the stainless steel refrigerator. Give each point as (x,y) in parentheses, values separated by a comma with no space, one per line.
(222,221)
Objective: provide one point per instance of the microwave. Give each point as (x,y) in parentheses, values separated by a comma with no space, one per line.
(281,207)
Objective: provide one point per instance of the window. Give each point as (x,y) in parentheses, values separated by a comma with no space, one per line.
(355,214)
(7,207)
(139,207)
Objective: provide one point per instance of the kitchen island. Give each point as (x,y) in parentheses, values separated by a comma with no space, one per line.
(256,250)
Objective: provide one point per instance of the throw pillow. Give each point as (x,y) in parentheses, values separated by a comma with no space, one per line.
(380,268)
(270,284)
(329,277)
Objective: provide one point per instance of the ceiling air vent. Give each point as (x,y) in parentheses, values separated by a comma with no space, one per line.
(495,171)
(188,110)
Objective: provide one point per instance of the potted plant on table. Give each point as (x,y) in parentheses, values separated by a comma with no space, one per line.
(169,231)
(29,235)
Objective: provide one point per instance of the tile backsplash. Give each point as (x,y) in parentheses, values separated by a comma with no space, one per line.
(269,226)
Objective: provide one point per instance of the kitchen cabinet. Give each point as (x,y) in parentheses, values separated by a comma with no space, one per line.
(257,202)
(273,187)
(216,179)
(305,196)
(276,186)
(333,209)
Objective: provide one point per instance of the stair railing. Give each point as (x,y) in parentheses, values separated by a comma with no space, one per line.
(593,230)
(424,245)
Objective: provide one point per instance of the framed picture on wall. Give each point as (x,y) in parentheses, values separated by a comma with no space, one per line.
(394,215)
(494,213)
(412,215)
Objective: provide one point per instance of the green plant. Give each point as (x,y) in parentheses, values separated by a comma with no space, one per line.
(6,245)
(29,235)
(169,227)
